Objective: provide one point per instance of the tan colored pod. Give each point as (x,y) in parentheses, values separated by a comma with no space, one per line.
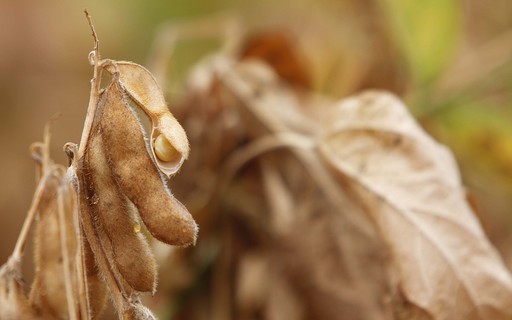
(96,287)
(14,304)
(144,90)
(117,219)
(47,292)
(136,174)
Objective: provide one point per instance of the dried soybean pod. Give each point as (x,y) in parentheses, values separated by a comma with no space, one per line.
(47,292)
(144,90)
(164,216)
(96,287)
(13,301)
(97,291)
(117,217)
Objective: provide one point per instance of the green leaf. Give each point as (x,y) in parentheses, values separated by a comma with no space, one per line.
(426,31)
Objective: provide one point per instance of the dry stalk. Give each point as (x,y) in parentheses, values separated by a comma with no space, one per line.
(116,173)
(19,248)
(94,58)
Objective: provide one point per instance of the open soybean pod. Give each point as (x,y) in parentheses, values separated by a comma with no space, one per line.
(136,174)
(125,247)
(169,143)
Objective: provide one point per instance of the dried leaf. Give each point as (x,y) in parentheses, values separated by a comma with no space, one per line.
(410,185)
(278,50)
(317,263)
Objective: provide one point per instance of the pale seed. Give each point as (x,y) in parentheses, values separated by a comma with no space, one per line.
(164,149)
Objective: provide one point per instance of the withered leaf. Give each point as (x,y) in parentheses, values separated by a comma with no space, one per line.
(317,264)
(410,184)
(277,49)
(441,263)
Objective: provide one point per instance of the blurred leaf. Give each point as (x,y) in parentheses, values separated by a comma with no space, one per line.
(427,32)
(410,184)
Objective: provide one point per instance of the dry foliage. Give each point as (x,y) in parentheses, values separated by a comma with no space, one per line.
(310,208)
(321,209)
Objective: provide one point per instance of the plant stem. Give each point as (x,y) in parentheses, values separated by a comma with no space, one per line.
(94,58)
(29,219)
(87,227)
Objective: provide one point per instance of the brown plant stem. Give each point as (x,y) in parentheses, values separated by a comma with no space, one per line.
(27,224)
(41,183)
(94,58)
(85,220)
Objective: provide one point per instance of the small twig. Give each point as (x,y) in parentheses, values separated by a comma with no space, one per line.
(94,58)
(46,147)
(260,147)
(29,219)
(86,223)
(225,25)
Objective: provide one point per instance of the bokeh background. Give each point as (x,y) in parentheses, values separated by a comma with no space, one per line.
(451,61)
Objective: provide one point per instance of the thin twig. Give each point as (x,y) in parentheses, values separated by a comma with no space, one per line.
(86,223)
(477,63)
(29,219)
(225,25)
(46,147)
(94,58)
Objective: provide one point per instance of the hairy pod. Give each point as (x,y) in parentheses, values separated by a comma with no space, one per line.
(144,90)
(14,304)
(136,174)
(127,248)
(96,287)
(48,290)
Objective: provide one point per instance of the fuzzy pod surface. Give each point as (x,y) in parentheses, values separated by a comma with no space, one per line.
(138,176)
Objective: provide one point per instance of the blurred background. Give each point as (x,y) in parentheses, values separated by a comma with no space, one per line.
(451,61)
